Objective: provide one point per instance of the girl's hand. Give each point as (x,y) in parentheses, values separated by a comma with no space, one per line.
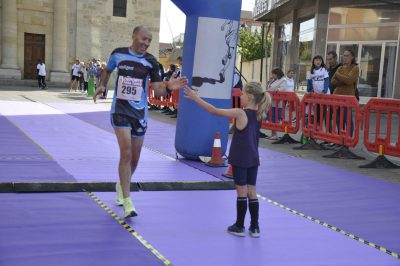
(190,93)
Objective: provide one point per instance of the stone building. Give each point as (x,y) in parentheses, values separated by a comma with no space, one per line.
(59,31)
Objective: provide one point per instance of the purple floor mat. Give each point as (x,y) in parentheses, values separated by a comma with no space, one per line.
(64,229)
(197,221)
(155,131)
(358,204)
(88,152)
(22,161)
(355,203)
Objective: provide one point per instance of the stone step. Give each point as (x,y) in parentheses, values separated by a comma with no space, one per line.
(31,83)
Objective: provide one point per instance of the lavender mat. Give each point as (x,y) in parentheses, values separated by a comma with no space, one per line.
(64,229)
(88,152)
(159,136)
(22,161)
(156,130)
(359,204)
(196,235)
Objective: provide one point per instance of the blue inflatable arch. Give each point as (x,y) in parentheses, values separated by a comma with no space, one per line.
(209,56)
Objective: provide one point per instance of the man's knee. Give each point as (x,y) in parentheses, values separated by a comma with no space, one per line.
(126,155)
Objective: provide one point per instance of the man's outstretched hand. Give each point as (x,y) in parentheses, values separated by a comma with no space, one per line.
(177,83)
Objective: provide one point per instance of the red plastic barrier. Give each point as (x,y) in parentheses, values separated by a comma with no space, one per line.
(330,118)
(171,100)
(175,99)
(284,100)
(236,93)
(382,143)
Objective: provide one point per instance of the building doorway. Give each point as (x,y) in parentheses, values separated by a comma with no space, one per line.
(34,49)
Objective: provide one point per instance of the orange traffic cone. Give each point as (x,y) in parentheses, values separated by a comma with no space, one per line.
(216,157)
(229,174)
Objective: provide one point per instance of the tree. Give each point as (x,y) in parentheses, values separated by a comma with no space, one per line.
(250,45)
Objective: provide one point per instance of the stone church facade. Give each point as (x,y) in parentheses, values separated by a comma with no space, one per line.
(59,31)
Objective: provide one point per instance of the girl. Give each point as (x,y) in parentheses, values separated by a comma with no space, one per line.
(318,79)
(277,83)
(290,81)
(318,82)
(243,153)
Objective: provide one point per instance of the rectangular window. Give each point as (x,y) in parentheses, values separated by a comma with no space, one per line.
(306,38)
(119,8)
(343,15)
(363,34)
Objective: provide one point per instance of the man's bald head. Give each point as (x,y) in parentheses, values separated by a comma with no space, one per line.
(139,29)
(141,38)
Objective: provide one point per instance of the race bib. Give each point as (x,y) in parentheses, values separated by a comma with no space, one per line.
(129,88)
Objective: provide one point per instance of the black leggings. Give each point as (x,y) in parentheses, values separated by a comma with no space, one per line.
(42,82)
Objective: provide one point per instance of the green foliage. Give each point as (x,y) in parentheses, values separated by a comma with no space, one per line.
(250,45)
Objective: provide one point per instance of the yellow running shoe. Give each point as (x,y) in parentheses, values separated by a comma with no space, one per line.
(120,197)
(129,209)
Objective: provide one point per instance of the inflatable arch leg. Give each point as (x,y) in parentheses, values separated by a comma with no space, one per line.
(209,56)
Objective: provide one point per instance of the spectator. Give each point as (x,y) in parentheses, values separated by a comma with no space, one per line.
(333,64)
(75,75)
(290,80)
(317,82)
(345,81)
(277,83)
(41,71)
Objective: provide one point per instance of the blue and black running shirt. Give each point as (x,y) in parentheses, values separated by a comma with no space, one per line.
(131,82)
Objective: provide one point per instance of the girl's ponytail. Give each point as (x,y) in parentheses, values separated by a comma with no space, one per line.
(263,106)
(261,98)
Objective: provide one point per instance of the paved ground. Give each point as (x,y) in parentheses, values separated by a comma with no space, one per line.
(28,93)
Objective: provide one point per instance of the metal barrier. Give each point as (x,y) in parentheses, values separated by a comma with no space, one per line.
(286,121)
(382,143)
(330,118)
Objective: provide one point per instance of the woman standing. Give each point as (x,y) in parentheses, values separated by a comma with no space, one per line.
(345,81)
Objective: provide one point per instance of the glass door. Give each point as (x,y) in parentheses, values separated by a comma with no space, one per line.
(370,61)
(389,66)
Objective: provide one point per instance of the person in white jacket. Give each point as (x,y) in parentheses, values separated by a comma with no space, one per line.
(290,80)
(318,82)
(277,83)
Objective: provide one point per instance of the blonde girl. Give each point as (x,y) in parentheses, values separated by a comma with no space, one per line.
(243,153)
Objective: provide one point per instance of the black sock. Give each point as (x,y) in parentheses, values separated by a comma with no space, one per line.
(241,209)
(253,208)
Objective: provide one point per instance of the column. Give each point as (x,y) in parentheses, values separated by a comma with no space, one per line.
(9,68)
(59,72)
(274,49)
(320,27)
(294,44)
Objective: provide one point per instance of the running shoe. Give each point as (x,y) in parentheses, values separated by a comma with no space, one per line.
(254,232)
(129,209)
(236,230)
(120,197)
